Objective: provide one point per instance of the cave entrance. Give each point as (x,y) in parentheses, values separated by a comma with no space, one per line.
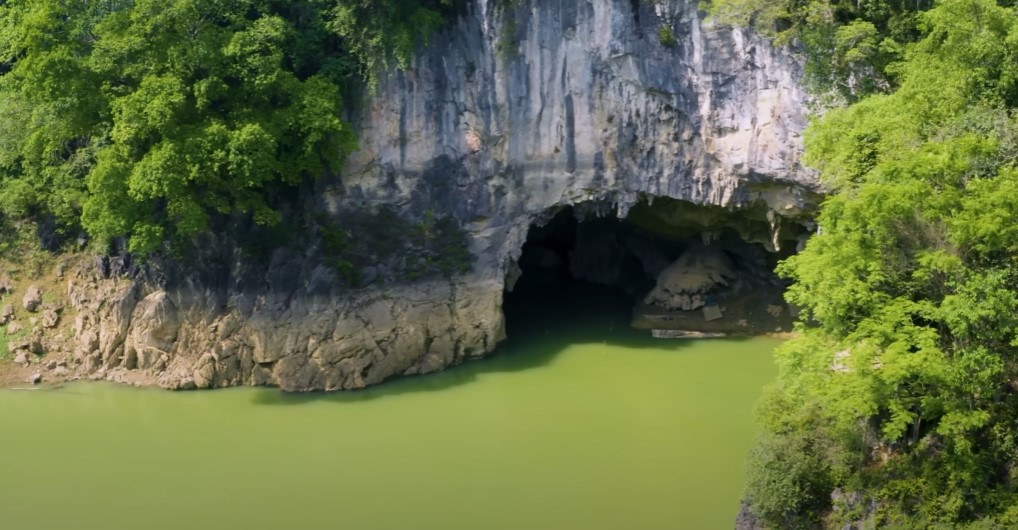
(677,269)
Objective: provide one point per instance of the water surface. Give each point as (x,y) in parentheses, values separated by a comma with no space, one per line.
(578,427)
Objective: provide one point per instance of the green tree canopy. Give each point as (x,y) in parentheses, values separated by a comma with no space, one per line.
(908,357)
(143,118)
(851,45)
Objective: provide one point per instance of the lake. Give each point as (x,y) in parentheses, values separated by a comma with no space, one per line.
(583,424)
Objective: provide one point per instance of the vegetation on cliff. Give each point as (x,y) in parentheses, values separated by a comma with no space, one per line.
(143,119)
(853,47)
(900,397)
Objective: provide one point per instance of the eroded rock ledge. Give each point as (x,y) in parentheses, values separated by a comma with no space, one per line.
(506,117)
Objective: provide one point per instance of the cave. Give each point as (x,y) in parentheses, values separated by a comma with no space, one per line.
(669,268)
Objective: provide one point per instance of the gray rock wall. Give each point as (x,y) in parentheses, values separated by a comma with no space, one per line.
(514,112)
(505,116)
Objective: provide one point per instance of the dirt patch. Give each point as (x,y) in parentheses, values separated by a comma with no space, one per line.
(21,376)
(57,373)
(13,375)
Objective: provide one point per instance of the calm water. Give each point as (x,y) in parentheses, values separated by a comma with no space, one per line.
(587,427)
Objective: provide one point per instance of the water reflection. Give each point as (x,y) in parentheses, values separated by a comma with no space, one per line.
(541,323)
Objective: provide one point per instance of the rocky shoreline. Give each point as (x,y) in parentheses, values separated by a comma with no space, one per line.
(55,337)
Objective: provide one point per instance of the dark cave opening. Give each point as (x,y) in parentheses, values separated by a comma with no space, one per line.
(669,266)
(552,287)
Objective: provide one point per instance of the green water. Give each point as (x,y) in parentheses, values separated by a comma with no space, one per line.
(589,427)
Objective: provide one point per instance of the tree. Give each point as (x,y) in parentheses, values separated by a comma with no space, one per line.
(384,35)
(849,44)
(909,293)
(144,119)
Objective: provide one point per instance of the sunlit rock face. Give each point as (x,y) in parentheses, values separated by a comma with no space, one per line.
(517,111)
(506,116)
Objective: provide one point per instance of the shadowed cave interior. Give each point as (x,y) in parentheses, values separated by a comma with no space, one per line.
(676,268)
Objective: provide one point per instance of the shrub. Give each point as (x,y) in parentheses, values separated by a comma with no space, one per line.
(666,36)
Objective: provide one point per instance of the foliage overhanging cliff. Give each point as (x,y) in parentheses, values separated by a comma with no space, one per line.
(900,393)
(141,119)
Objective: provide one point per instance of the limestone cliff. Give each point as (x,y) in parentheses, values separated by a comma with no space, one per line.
(508,114)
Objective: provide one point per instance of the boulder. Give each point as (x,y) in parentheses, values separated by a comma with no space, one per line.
(13,328)
(204,375)
(50,318)
(685,284)
(22,358)
(88,342)
(6,285)
(115,321)
(712,312)
(32,299)
(6,313)
(34,379)
(35,342)
(155,323)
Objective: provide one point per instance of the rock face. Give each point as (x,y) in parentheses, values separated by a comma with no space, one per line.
(50,318)
(32,298)
(686,283)
(505,117)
